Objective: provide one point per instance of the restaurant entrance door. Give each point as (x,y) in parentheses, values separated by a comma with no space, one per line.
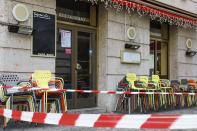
(76,63)
(158,62)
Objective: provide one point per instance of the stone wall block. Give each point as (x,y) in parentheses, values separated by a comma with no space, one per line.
(133,19)
(14,40)
(182,42)
(114,80)
(142,36)
(145,51)
(187,5)
(1,59)
(102,55)
(173,52)
(115,16)
(186,59)
(114,47)
(4,11)
(42,3)
(187,32)
(115,67)
(3,35)
(116,30)
(190,71)
(112,86)
(18,60)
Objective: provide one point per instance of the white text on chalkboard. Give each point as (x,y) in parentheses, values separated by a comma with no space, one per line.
(45,54)
(43,16)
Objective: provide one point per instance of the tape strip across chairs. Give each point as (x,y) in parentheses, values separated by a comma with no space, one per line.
(104,120)
(102,92)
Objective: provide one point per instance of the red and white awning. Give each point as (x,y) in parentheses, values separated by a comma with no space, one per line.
(142,9)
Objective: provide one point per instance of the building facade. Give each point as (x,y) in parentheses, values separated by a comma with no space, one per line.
(90,43)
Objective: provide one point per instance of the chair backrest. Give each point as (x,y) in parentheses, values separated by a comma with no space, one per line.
(42,77)
(143,79)
(191,81)
(175,82)
(191,84)
(155,79)
(9,79)
(184,81)
(123,83)
(131,78)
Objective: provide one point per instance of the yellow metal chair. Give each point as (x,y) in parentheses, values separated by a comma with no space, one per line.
(131,78)
(155,79)
(143,81)
(164,86)
(147,84)
(150,86)
(42,79)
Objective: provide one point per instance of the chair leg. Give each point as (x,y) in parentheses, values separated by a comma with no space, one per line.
(66,106)
(43,103)
(64,103)
(4,120)
(129,104)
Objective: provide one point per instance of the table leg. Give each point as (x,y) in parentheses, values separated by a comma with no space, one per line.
(46,103)
(43,102)
(11,103)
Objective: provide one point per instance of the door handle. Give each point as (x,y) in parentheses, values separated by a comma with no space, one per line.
(78,66)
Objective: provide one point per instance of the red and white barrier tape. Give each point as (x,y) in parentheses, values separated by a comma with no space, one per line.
(104,120)
(101,92)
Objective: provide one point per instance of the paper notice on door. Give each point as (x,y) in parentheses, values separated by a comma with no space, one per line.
(66,38)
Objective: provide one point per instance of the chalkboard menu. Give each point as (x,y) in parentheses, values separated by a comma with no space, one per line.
(44,34)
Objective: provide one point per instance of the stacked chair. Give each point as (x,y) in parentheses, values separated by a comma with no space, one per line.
(123,85)
(129,84)
(32,100)
(144,103)
(9,97)
(44,79)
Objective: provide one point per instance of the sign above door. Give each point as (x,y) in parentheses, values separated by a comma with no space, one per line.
(79,12)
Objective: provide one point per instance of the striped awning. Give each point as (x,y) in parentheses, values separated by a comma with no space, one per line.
(143,8)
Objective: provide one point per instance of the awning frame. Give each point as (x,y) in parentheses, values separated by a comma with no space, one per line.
(145,9)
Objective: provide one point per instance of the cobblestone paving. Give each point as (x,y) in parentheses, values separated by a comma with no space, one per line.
(14,125)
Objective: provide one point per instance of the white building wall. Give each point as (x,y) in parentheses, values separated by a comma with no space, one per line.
(172,53)
(187,5)
(111,70)
(182,66)
(15,49)
(187,65)
(112,38)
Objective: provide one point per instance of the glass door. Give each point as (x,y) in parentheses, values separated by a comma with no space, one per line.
(158,60)
(76,62)
(64,59)
(85,71)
